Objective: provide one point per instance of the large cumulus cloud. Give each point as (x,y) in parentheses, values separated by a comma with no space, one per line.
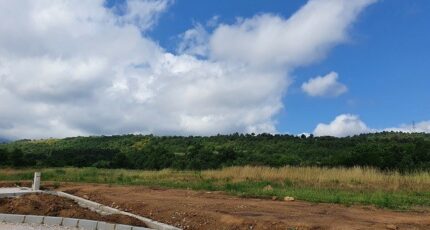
(78,68)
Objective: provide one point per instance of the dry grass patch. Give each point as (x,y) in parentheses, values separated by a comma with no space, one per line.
(356,177)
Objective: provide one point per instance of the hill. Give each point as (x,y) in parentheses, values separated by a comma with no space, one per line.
(3,140)
(386,151)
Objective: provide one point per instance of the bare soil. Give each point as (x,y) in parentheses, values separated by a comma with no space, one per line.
(215,210)
(49,205)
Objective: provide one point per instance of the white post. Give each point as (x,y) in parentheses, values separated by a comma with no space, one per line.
(36,181)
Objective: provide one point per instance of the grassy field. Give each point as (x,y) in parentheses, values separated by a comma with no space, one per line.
(336,185)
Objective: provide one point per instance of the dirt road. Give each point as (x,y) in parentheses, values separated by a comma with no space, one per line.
(214,210)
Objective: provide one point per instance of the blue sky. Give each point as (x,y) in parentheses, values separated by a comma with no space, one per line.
(190,67)
(386,68)
(386,65)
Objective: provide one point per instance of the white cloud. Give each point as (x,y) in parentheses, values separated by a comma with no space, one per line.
(213,22)
(420,127)
(194,41)
(342,126)
(142,13)
(269,40)
(76,68)
(324,86)
(350,125)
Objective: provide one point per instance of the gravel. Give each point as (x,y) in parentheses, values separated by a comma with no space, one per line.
(4,226)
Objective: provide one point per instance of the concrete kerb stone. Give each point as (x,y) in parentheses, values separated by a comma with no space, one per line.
(53,220)
(109,209)
(106,226)
(79,200)
(66,222)
(139,228)
(99,208)
(88,224)
(17,191)
(31,219)
(123,227)
(3,218)
(11,218)
(70,222)
(150,223)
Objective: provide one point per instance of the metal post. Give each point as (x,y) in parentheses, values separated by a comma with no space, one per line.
(36,181)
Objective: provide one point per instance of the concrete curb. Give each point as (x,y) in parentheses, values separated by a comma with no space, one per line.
(18,191)
(93,206)
(66,222)
(106,210)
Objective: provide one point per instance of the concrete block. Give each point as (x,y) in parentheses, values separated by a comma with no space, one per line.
(123,227)
(150,223)
(36,181)
(30,219)
(109,209)
(11,218)
(87,224)
(105,226)
(2,218)
(70,222)
(52,220)
(159,226)
(79,200)
(140,228)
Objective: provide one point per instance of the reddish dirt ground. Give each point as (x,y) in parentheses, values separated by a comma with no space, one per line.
(48,205)
(215,210)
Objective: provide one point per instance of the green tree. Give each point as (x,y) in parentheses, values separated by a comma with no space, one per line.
(17,158)
(3,157)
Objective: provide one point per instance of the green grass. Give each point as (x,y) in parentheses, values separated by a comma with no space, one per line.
(348,188)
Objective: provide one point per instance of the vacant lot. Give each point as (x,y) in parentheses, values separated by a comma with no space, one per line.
(190,209)
(215,210)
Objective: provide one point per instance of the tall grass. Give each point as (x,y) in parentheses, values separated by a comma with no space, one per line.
(334,185)
(367,178)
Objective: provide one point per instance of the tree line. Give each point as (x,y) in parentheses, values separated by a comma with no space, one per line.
(386,151)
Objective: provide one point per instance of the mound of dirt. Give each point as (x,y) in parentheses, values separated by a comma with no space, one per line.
(49,205)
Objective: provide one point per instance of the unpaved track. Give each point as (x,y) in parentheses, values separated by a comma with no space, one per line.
(215,210)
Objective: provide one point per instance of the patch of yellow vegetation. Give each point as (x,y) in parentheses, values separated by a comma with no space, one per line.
(366,178)
(139,145)
(50,141)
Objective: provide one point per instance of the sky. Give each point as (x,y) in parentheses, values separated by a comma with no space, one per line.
(190,67)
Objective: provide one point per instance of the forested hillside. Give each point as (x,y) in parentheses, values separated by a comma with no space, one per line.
(387,151)
(3,140)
